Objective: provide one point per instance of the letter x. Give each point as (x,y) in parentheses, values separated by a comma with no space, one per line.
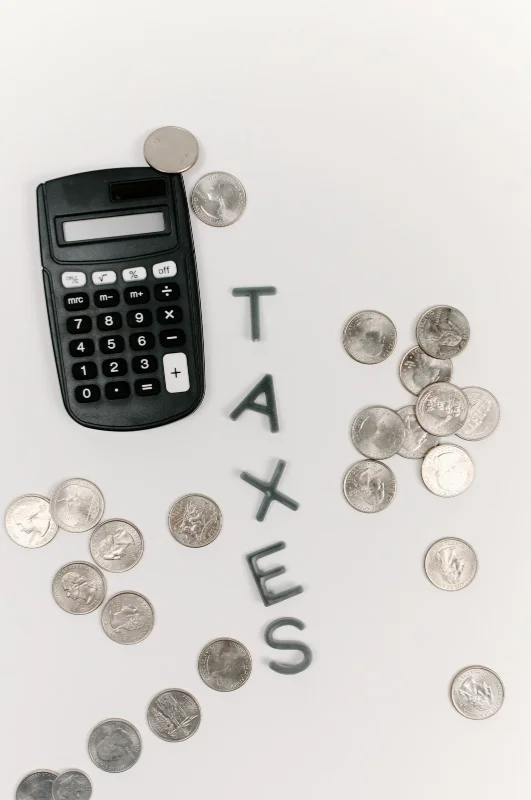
(270,491)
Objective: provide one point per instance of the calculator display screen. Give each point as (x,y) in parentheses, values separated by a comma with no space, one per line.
(113,227)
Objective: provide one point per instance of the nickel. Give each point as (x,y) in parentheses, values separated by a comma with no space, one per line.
(378,432)
(28,521)
(225,665)
(195,520)
(171,149)
(72,784)
(417,441)
(369,337)
(114,745)
(116,545)
(128,618)
(77,505)
(443,332)
(418,369)
(369,486)
(451,564)
(218,199)
(174,715)
(442,409)
(36,786)
(447,470)
(477,692)
(78,588)
(483,414)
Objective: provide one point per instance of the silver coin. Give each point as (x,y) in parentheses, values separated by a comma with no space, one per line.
(483,414)
(441,409)
(477,692)
(78,588)
(443,332)
(114,745)
(417,441)
(36,786)
(218,199)
(369,337)
(369,486)
(174,715)
(171,149)
(116,545)
(72,784)
(451,564)
(127,618)
(224,665)
(77,505)
(378,432)
(195,520)
(447,470)
(28,521)
(418,369)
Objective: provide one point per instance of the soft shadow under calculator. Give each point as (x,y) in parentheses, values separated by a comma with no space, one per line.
(122,295)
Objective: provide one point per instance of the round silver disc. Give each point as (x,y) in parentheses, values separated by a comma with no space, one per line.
(451,564)
(77,505)
(477,692)
(127,618)
(174,715)
(224,665)
(218,199)
(483,414)
(447,470)
(369,486)
(114,745)
(78,588)
(116,545)
(171,149)
(378,432)
(29,522)
(369,337)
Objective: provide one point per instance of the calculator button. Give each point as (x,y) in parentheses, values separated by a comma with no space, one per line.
(165,269)
(147,387)
(176,372)
(145,364)
(106,298)
(172,338)
(139,319)
(81,348)
(73,280)
(142,341)
(114,366)
(109,322)
(82,324)
(165,292)
(136,295)
(76,302)
(169,315)
(87,394)
(118,390)
(134,274)
(112,344)
(99,278)
(84,371)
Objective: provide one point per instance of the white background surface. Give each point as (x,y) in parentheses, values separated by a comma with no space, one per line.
(385,150)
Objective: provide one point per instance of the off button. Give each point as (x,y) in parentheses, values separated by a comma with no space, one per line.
(165,269)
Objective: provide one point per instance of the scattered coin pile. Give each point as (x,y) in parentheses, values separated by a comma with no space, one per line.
(76,506)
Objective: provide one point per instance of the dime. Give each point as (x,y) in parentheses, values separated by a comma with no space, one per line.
(477,692)
(114,745)
(127,618)
(418,369)
(378,432)
(447,470)
(28,521)
(443,332)
(224,665)
(417,441)
(369,337)
(369,486)
(36,786)
(483,414)
(78,588)
(442,409)
(451,564)
(77,505)
(174,715)
(116,545)
(72,784)
(195,520)
(218,199)
(171,149)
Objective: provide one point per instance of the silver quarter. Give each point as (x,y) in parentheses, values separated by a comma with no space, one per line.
(127,618)
(369,486)
(451,564)
(171,149)
(483,414)
(116,545)
(378,432)
(72,784)
(441,409)
(77,505)
(174,715)
(195,520)
(36,786)
(417,441)
(114,745)
(418,369)
(29,522)
(78,588)
(477,692)
(443,332)
(447,470)
(369,337)
(224,665)
(218,199)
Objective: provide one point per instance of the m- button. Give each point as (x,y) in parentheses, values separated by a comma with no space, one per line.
(165,269)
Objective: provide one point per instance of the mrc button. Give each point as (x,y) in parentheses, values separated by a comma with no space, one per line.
(77,301)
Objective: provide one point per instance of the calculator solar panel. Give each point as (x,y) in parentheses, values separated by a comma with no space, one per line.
(122,295)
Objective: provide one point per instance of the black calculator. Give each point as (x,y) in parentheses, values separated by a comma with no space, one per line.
(123,298)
